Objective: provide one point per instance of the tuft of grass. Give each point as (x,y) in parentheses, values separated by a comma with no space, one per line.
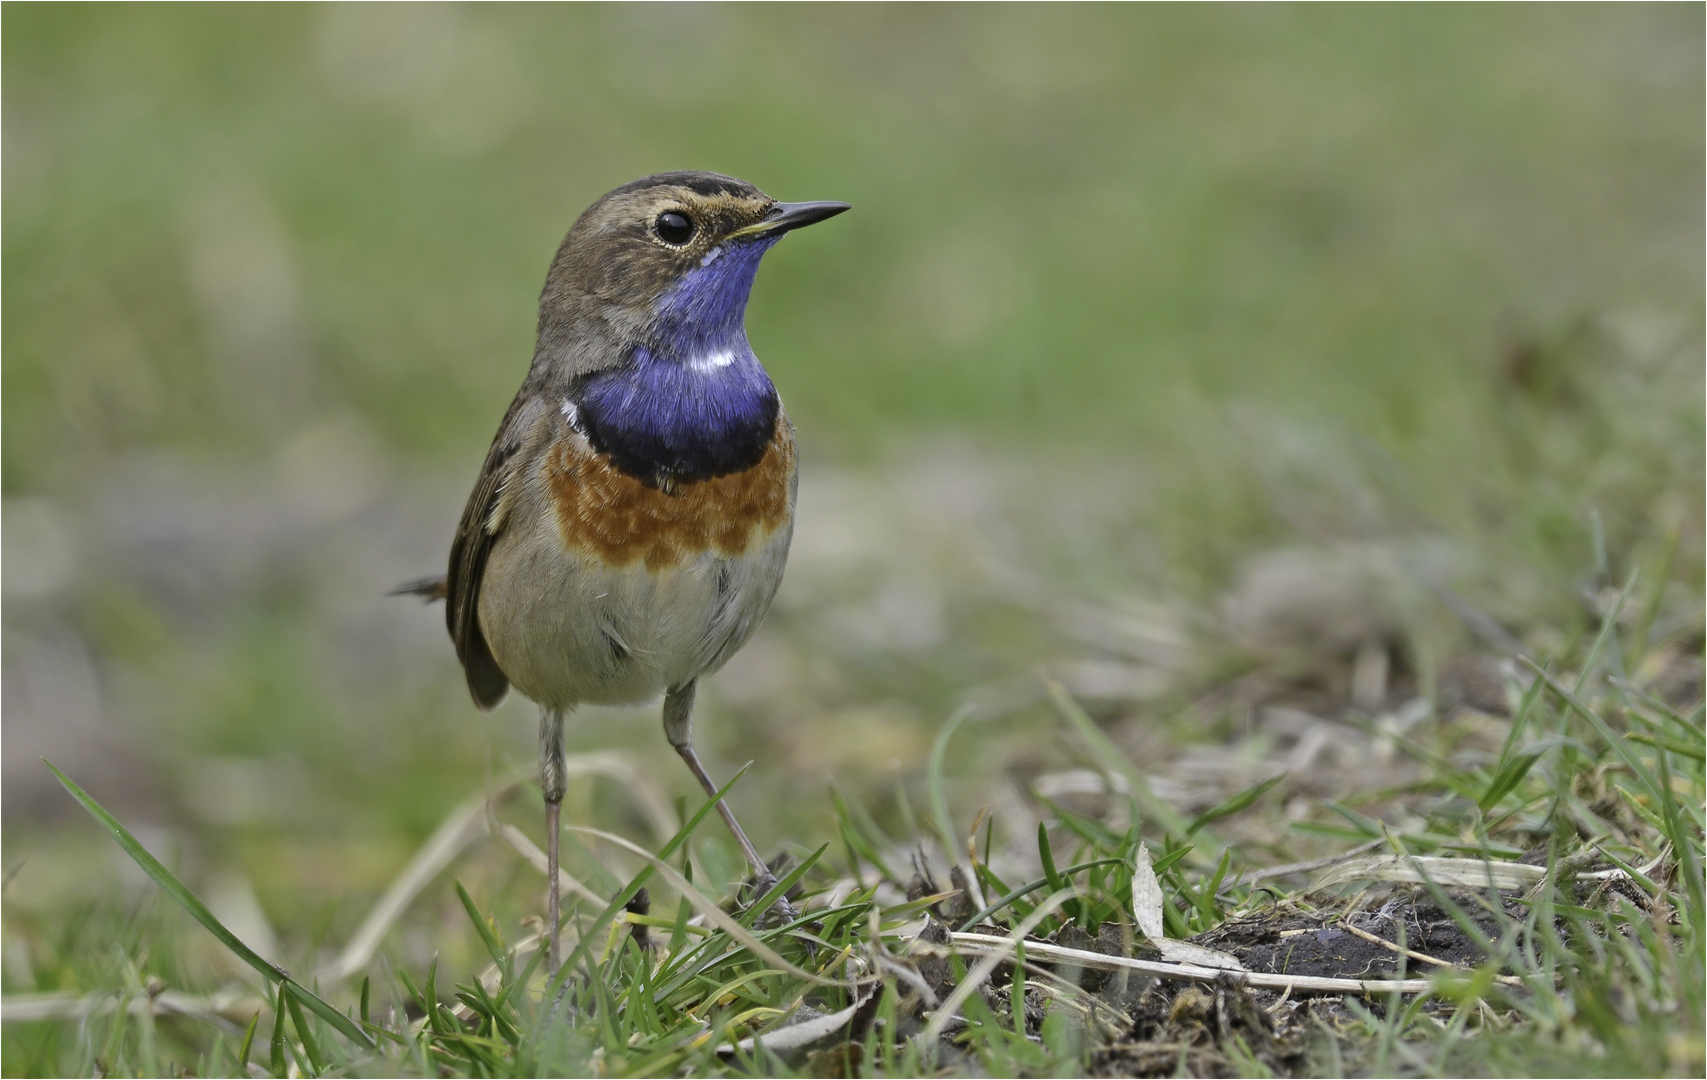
(1597,960)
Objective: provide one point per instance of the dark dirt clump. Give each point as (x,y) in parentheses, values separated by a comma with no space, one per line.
(1331,944)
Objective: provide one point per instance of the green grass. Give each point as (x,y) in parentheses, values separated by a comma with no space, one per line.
(1593,975)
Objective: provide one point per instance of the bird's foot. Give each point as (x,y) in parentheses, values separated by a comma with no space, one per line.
(781,912)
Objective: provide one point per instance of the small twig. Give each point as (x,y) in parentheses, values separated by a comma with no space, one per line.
(1377,939)
(988,945)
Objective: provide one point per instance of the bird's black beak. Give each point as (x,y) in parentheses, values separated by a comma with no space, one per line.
(788,216)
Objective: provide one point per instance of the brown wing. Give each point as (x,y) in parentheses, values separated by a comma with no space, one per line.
(474,536)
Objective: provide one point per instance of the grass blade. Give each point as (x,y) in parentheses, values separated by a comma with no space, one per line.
(854,834)
(480,925)
(191,903)
(248,1042)
(309,1046)
(1683,848)
(1613,739)
(1008,896)
(1048,859)
(1669,745)
(1110,756)
(933,779)
(1231,806)
(1515,767)
(1070,909)
(275,1045)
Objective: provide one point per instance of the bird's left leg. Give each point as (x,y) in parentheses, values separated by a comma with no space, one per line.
(678,728)
(552,766)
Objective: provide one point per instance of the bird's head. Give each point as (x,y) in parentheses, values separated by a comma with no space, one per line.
(666,261)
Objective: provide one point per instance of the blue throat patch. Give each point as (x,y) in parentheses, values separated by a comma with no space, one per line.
(692,402)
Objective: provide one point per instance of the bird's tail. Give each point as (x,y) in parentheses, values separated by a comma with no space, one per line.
(427,588)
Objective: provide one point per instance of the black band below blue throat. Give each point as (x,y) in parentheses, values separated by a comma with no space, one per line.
(669,424)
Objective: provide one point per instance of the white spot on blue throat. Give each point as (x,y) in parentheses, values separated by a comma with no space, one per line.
(711,361)
(712,256)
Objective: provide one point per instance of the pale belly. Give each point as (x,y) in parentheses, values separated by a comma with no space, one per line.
(571,630)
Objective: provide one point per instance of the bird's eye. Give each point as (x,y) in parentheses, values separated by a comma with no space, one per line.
(674,227)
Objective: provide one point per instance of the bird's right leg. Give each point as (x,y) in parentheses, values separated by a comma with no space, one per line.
(552,766)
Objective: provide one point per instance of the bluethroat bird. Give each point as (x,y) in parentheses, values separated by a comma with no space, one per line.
(631,522)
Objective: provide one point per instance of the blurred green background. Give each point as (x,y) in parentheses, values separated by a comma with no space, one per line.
(1130,299)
